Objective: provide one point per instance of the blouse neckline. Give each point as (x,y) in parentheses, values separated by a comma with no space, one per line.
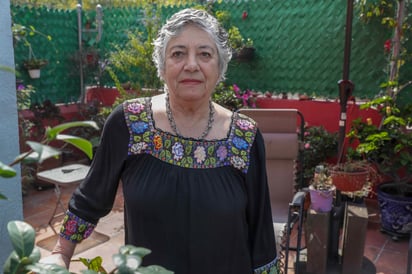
(152,125)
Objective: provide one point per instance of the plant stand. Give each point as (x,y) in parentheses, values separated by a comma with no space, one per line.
(319,233)
(317,238)
(354,236)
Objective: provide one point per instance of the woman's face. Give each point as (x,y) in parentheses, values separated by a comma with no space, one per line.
(191,64)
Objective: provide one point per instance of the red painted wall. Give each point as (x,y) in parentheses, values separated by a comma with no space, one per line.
(318,113)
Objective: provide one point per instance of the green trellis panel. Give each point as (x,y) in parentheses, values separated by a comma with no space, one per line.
(59,81)
(299,47)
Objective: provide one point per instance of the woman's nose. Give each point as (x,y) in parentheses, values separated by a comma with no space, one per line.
(191,63)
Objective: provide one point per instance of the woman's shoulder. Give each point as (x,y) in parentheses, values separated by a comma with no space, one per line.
(136,105)
(244,123)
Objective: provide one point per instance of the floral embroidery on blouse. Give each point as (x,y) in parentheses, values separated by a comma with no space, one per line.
(75,229)
(187,152)
(270,268)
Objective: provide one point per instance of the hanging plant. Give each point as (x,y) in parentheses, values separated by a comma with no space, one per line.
(33,65)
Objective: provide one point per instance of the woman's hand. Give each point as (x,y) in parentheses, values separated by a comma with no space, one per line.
(61,254)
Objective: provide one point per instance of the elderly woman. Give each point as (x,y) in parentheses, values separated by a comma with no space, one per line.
(193,173)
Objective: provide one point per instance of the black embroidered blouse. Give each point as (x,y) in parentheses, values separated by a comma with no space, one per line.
(200,206)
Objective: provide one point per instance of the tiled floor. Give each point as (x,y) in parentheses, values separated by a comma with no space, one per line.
(388,257)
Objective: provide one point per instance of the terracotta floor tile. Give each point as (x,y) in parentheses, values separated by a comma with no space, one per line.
(397,246)
(390,262)
(372,252)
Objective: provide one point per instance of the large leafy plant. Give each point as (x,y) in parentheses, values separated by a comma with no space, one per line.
(25,257)
(40,151)
(134,59)
(388,143)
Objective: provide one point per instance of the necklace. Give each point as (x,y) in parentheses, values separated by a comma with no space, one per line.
(172,122)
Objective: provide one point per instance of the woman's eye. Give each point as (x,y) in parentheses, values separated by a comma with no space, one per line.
(206,54)
(177,54)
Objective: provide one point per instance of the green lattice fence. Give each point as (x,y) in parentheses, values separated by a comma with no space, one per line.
(299,47)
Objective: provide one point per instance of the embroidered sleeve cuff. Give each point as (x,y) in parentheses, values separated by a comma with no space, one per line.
(270,268)
(75,229)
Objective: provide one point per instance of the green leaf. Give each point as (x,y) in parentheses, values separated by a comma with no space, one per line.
(22,236)
(42,152)
(35,255)
(51,133)
(9,69)
(6,171)
(119,259)
(154,269)
(2,197)
(132,250)
(17,265)
(13,265)
(94,264)
(48,269)
(81,143)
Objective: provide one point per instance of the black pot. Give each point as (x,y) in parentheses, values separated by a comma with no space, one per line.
(395,202)
(244,54)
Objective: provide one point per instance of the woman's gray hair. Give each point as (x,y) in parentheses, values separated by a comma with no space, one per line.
(204,21)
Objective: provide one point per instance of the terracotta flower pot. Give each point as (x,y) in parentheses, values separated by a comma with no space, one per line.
(349,181)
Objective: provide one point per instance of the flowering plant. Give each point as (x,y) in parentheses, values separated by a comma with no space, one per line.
(388,143)
(319,147)
(232,97)
(23,94)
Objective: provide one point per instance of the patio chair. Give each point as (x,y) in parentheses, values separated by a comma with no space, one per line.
(282,144)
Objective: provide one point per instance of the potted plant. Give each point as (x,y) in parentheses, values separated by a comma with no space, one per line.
(243,50)
(353,178)
(246,51)
(321,190)
(34,65)
(387,144)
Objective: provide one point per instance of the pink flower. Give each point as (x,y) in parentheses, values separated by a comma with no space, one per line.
(236,88)
(307,146)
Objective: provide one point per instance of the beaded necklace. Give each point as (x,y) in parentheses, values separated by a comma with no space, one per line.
(172,122)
